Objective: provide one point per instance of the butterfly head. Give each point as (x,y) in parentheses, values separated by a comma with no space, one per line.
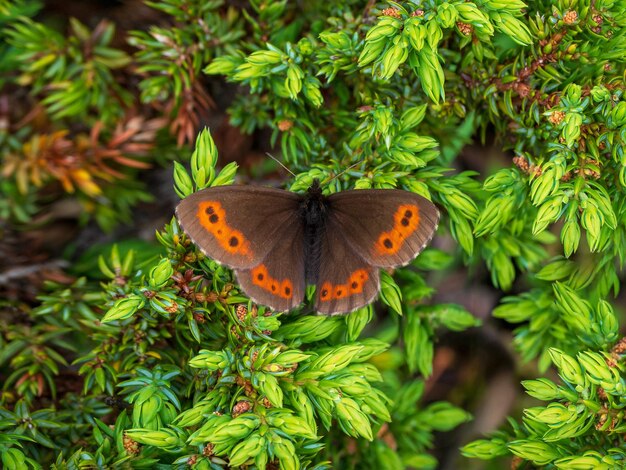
(315,189)
(313,207)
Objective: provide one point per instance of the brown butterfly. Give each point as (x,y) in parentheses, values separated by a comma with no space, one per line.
(278,241)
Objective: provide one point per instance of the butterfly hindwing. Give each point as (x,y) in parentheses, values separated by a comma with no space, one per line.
(238,225)
(345,281)
(278,281)
(386,227)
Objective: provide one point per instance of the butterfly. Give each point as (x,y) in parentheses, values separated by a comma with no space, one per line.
(279,241)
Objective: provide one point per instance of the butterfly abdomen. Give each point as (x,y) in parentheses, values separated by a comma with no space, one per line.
(313,211)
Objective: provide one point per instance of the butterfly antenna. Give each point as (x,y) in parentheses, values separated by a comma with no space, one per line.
(342,172)
(280,163)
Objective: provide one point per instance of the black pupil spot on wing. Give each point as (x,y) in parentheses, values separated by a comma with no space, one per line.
(273,287)
(209,210)
(404,221)
(408,214)
(354,285)
(287,290)
(387,243)
(213,218)
(339,291)
(234,241)
(324,293)
(260,277)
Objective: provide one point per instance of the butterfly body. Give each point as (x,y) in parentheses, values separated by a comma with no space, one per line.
(312,214)
(279,241)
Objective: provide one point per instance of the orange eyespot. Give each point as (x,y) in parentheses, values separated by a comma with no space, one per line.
(213,218)
(406,221)
(261,278)
(353,286)
(326,291)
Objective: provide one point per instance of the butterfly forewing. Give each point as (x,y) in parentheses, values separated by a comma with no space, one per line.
(346,281)
(386,227)
(238,225)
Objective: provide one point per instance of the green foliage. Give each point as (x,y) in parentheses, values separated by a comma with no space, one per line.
(78,71)
(579,427)
(202,33)
(385,96)
(69,117)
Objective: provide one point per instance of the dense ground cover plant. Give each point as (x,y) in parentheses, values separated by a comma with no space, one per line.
(136,354)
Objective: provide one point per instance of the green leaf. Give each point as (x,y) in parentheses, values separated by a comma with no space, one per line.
(569,369)
(548,213)
(512,27)
(124,308)
(556,270)
(390,293)
(538,452)
(442,416)
(224,65)
(226,175)
(160,274)
(182,181)
(485,449)
(431,74)
(352,420)
(454,317)
(418,344)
